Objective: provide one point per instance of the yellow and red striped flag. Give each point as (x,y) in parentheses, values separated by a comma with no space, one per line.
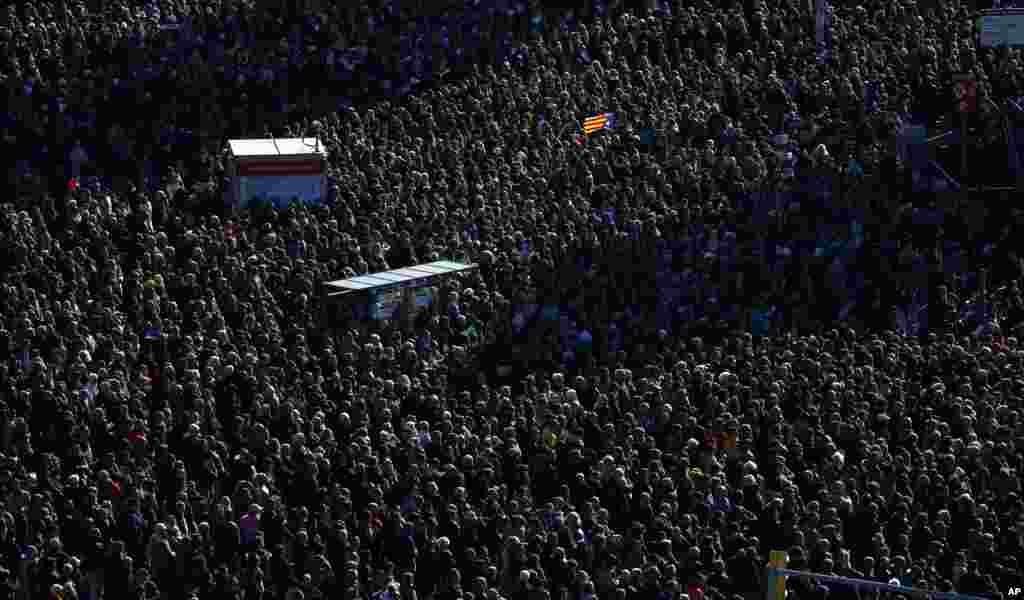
(598,121)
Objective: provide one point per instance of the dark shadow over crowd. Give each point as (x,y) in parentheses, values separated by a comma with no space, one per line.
(733,322)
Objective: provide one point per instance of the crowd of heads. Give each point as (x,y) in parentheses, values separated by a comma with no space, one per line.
(786,347)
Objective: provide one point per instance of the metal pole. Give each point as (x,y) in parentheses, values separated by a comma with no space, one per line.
(884,587)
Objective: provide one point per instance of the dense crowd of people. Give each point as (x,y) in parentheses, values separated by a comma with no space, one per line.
(737,324)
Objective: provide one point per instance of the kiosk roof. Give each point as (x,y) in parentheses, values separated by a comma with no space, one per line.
(275,147)
(398,278)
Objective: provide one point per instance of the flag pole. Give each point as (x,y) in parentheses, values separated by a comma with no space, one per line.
(965,92)
(963,149)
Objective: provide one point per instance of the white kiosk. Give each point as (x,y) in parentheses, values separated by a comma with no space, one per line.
(277,171)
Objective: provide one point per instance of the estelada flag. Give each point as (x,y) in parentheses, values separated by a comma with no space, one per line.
(598,121)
